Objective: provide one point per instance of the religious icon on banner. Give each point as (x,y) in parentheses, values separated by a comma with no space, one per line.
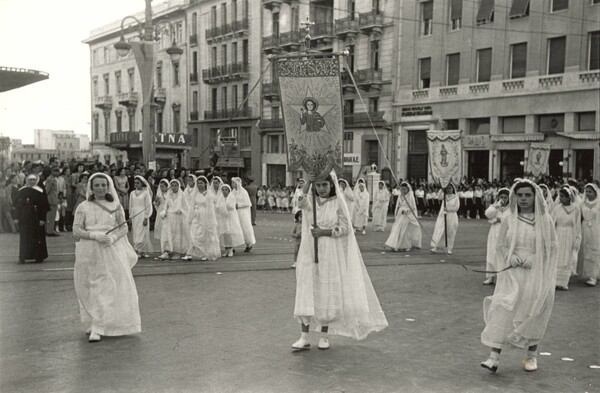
(537,162)
(311,102)
(445,156)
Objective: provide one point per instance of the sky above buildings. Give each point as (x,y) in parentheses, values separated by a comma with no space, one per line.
(47,36)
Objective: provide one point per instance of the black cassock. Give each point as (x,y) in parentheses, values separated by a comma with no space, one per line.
(32,207)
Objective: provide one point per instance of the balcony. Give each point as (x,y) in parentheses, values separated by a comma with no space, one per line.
(193,39)
(371,22)
(362,119)
(272,5)
(369,79)
(270,44)
(225,73)
(212,33)
(194,115)
(270,91)
(129,98)
(160,95)
(346,28)
(103,102)
(290,40)
(238,27)
(226,114)
(347,85)
(322,34)
(271,124)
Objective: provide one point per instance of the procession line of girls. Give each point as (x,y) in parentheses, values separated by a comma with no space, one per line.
(576,221)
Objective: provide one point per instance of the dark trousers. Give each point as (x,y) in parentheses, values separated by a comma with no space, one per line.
(253,214)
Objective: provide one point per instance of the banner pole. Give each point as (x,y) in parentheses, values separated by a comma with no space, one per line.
(445,221)
(314,195)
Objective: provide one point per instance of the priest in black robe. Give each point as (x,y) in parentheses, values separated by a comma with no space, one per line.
(32,206)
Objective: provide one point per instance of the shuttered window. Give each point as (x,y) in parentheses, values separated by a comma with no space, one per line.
(559,5)
(484,65)
(556,55)
(424,73)
(594,39)
(427,10)
(518,56)
(453,69)
(456,9)
(486,12)
(426,23)
(519,8)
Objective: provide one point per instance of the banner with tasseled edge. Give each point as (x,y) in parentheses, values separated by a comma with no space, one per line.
(311,101)
(537,161)
(445,156)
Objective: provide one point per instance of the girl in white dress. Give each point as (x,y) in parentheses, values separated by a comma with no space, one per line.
(176,233)
(348,194)
(215,189)
(228,221)
(547,196)
(495,214)
(406,232)
(108,299)
(160,204)
(452,206)
(297,194)
(261,198)
(204,236)
(335,295)
(567,220)
(518,311)
(271,199)
(140,209)
(590,213)
(381,201)
(285,200)
(361,208)
(190,188)
(243,206)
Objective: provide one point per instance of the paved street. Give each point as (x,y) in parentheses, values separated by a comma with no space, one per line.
(227,326)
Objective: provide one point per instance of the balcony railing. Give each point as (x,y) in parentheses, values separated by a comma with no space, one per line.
(322,30)
(129,98)
(160,95)
(271,43)
(193,39)
(224,114)
(271,124)
(513,85)
(448,91)
(229,72)
(420,94)
(237,26)
(213,32)
(270,91)
(289,39)
(362,118)
(370,21)
(105,102)
(479,88)
(193,77)
(194,115)
(368,78)
(551,81)
(346,27)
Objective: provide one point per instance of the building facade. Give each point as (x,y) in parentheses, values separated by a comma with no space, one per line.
(366,29)
(224,64)
(505,72)
(117,92)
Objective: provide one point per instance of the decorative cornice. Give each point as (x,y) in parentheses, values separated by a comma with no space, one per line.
(589,136)
(518,138)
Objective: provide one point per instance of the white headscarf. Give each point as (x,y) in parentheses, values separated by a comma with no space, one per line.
(189,191)
(588,203)
(223,200)
(538,292)
(159,192)
(410,201)
(35,187)
(211,189)
(114,205)
(146,184)
(548,198)
(381,193)
(178,202)
(241,195)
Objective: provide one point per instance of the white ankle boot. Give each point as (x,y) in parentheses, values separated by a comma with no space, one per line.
(94,337)
(324,342)
(302,343)
(530,364)
(492,363)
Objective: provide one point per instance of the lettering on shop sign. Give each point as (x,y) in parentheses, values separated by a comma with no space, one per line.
(351,159)
(417,111)
(476,140)
(159,138)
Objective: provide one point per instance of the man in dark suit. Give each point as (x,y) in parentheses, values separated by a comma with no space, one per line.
(252,190)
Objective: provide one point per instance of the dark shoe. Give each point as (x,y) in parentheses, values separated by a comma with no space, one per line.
(39,260)
(248,248)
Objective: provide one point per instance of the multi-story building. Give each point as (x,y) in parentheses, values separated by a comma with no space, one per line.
(505,72)
(367,29)
(19,152)
(117,91)
(224,64)
(64,140)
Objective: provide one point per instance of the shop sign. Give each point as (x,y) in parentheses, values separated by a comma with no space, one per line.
(421,110)
(132,137)
(351,159)
(476,141)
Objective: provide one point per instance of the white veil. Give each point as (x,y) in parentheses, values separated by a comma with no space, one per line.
(241,195)
(114,205)
(410,201)
(585,198)
(147,185)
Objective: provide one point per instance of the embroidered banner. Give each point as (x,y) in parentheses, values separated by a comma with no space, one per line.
(537,161)
(445,156)
(311,101)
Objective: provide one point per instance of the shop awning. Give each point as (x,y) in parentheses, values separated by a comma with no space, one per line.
(230,162)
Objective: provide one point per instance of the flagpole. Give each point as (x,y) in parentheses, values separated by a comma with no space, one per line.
(445,221)
(315,225)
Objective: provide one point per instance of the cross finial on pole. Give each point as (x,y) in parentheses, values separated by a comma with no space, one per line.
(307,24)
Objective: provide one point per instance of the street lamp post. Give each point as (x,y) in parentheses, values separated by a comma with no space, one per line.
(143,52)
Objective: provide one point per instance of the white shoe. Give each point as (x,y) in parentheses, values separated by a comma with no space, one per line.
(364,232)
(491,364)
(434,250)
(530,364)
(301,345)
(204,259)
(488,281)
(591,282)
(323,343)
(187,258)
(94,337)
(88,332)
(293,266)
(450,252)
(163,256)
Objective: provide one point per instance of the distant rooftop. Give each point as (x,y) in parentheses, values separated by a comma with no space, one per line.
(13,78)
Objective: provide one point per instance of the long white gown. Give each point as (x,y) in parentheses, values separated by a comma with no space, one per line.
(106,291)
(381,201)
(452,206)
(495,215)
(590,213)
(406,232)
(361,208)
(160,203)
(230,230)
(568,231)
(175,235)
(518,311)
(138,201)
(243,211)
(336,292)
(204,237)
